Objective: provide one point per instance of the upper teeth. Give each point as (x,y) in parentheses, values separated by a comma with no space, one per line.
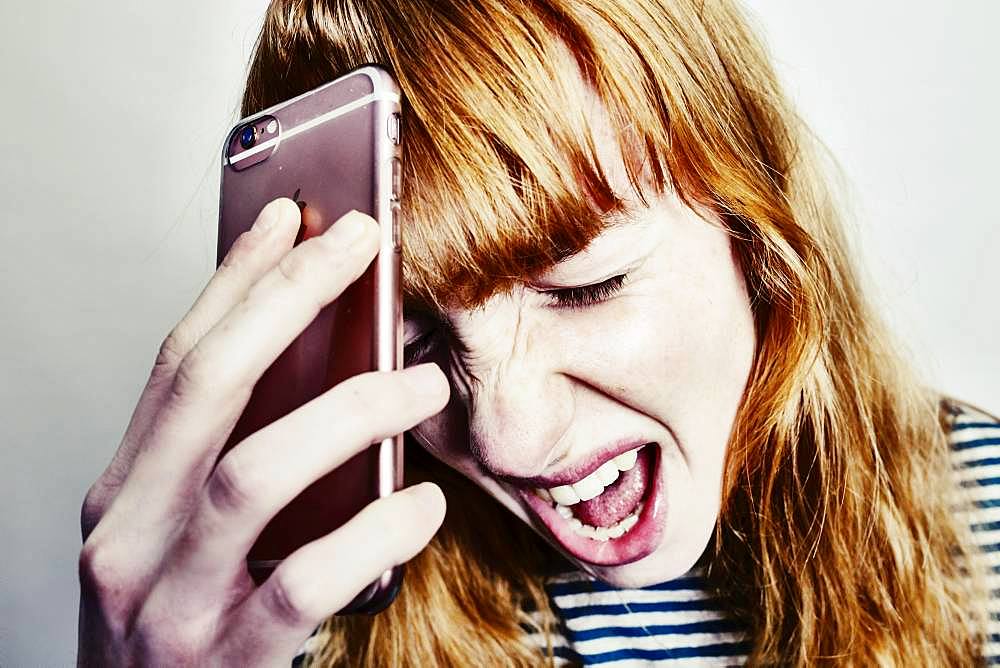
(593,484)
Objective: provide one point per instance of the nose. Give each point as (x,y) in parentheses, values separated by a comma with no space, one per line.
(521,408)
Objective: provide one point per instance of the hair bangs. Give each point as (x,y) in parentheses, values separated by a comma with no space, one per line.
(501,177)
(501,163)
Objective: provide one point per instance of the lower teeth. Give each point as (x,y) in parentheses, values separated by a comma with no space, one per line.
(602,534)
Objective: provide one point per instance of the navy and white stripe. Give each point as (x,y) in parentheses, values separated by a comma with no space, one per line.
(975,443)
(678,623)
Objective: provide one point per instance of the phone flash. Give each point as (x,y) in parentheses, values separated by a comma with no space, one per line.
(272,127)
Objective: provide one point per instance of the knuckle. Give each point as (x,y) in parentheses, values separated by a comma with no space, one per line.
(102,574)
(93,507)
(290,602)
(302,272)
(173,641)
(92,565)
(194,374)
(164,621)
(232,484)
(328,246)
(174,347)
(202,373)
(298,266)
(245,243)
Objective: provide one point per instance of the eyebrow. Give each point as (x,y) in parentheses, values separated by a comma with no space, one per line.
(620,214)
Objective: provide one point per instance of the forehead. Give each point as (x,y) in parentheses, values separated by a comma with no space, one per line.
(616,145)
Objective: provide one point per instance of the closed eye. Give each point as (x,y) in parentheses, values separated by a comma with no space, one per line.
(425,332)
(586,295)
(419,330)
(415,350)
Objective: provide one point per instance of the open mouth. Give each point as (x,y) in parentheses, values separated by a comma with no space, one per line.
(611,516)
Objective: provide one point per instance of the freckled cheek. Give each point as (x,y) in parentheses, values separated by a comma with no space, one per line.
(681,353)
(708,311)
(705,358)
(656,338)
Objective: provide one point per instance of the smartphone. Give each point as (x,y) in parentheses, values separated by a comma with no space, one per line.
(332,149)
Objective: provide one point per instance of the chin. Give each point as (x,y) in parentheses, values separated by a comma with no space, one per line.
(668,562)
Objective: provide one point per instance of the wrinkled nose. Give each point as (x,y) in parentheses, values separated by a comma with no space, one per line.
(518,417)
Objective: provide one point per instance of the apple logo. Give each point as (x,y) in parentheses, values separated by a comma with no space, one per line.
(302,208)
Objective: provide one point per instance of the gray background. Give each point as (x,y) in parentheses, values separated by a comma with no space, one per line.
(112,119)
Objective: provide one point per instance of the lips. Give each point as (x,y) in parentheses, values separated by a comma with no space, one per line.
(628,518)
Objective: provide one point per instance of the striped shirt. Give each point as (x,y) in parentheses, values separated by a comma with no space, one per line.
(680,624)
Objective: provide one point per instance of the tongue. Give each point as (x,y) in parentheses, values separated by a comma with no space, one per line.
(620,498)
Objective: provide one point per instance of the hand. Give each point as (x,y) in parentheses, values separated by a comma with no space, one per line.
(162,570)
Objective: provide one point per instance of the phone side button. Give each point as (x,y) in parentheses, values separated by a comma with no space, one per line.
(396,241)
(394,128)
(397,178)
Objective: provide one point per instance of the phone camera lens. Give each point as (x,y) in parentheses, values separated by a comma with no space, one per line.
(248,137)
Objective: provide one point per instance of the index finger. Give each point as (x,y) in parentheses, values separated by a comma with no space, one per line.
(214,380)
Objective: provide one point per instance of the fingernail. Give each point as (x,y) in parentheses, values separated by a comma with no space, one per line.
(268,217)
(351,227)
(426,380)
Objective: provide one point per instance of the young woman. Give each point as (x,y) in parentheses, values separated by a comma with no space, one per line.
(666,423)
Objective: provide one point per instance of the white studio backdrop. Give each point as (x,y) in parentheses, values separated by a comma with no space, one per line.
(112,120)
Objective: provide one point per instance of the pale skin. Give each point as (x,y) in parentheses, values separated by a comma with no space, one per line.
(664,358)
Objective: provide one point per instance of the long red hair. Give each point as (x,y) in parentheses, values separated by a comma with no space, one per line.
(836,540)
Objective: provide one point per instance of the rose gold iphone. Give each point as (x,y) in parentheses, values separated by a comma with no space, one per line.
(333,149)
